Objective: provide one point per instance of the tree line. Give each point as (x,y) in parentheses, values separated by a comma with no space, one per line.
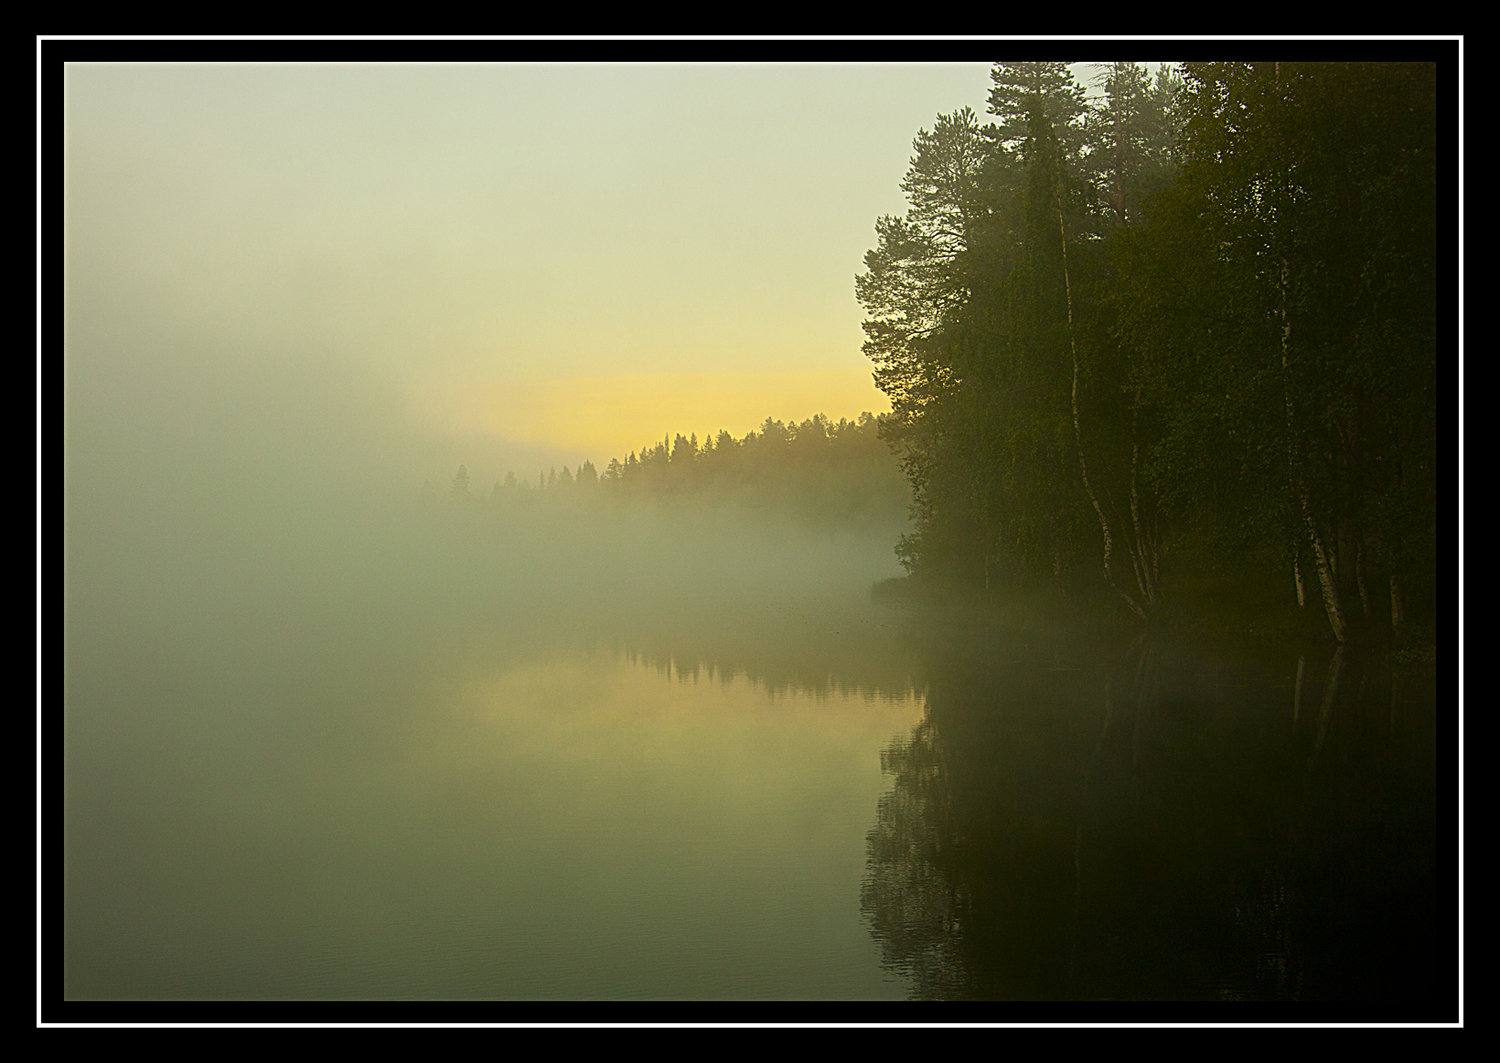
(1190,323)
(840,470)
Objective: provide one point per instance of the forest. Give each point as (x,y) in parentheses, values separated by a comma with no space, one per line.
(1171,344)
(1095,663)
(829,472)
(1185,331)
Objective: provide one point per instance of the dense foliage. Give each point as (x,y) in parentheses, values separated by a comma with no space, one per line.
(1192,324)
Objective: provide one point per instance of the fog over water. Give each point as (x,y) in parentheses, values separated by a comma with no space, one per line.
(335,729)
(324,737)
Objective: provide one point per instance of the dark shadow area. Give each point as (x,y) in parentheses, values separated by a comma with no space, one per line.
(1144,820)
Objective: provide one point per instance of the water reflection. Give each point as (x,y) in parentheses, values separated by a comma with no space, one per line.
(621,779)
(1073,823)
(827,649)
(529,810)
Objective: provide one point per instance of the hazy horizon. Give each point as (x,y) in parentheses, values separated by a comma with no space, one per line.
(558,262)
(506,266)
(854,709)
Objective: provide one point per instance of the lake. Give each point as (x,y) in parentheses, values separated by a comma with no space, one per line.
(717,771)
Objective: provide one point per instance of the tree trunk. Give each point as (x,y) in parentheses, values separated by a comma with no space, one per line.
(1297,697)
(1326,579)
(1145,547)
(1331,603)
(1359,578)
(1083,465)
(1330,695)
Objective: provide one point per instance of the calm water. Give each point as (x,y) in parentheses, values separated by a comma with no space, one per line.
(734,790)
(1160,822)
(578,825)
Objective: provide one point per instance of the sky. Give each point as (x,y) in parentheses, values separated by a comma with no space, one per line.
(557,261)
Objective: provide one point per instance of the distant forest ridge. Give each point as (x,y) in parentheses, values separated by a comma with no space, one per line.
(837,468)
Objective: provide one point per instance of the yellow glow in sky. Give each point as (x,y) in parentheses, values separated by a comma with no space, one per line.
(577,257)
(610,416)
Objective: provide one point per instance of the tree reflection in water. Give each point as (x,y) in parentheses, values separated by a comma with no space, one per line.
(1160,826)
